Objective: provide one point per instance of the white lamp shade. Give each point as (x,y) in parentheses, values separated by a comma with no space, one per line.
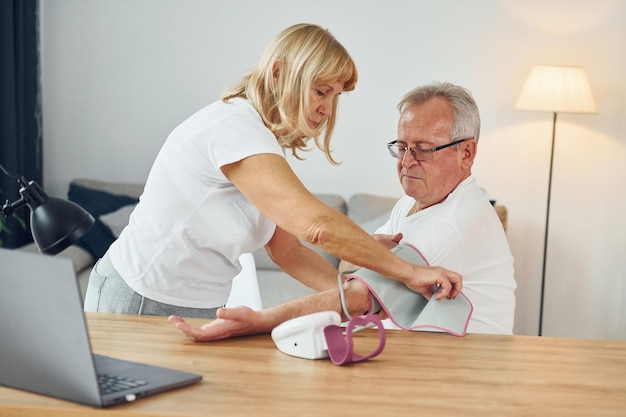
(557,89)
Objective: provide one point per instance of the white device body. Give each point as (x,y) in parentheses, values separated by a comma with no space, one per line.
(304,336)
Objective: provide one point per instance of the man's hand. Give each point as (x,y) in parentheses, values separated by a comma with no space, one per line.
(389,241)
(230,322)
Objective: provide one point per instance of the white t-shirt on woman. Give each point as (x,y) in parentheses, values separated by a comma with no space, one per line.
(185,236)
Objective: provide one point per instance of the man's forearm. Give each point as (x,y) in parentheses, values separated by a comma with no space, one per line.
(356,296)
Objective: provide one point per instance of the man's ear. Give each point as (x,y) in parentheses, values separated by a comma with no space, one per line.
(468,152)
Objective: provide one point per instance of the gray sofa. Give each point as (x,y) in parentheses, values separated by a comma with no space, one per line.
(111,203)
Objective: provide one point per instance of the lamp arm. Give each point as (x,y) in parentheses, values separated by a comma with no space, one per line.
(32,195)
(9,208)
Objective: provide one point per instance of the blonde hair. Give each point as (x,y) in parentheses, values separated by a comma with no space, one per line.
(304,55)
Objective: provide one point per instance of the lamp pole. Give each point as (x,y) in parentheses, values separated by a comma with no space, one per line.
(545,238)
(557,89)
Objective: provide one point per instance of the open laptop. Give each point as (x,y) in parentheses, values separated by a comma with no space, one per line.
(44,344)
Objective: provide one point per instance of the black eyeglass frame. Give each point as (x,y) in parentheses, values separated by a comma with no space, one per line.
(423,152)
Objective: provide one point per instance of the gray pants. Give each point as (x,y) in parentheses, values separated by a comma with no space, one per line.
(107,292)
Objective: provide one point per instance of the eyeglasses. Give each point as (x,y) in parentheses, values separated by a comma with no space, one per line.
(420,154)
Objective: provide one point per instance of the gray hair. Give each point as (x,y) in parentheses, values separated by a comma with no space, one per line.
(466,115)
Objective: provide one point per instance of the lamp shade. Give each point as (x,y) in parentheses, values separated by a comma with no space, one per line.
(557,89)
(55,223)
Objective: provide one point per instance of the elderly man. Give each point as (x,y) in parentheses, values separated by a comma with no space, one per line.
(444,214)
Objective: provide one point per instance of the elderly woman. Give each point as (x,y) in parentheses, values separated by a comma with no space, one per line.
(221,187)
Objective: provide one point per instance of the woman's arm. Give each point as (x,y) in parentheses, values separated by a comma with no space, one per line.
(301,262)
(269,183)
(390,242)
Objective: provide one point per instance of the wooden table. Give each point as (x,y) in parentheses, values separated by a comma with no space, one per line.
(417,374)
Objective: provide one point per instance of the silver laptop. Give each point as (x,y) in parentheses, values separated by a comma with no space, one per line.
(44,344)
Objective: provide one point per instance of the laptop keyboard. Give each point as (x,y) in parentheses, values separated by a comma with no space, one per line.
(115,383)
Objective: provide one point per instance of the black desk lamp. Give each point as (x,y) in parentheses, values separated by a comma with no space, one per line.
(55,223)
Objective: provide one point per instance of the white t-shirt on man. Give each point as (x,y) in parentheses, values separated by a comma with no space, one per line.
(464,234)
(185,236)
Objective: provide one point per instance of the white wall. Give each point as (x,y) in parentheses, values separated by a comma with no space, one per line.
(118,75)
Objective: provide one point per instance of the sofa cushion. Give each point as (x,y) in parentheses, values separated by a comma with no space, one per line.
(98,239)
(118,188)
(276,287)
(372,225)
(117,220)
(363,208)
(81,258)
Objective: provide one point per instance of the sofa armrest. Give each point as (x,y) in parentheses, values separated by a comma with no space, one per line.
(80,257)
(502,215)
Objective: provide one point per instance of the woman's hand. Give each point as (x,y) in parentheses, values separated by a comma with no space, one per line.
(230,322)
(428,279)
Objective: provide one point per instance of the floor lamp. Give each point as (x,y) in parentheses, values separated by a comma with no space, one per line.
(556,89)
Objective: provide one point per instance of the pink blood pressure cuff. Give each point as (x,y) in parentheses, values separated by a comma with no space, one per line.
(409,310)
(341,346)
